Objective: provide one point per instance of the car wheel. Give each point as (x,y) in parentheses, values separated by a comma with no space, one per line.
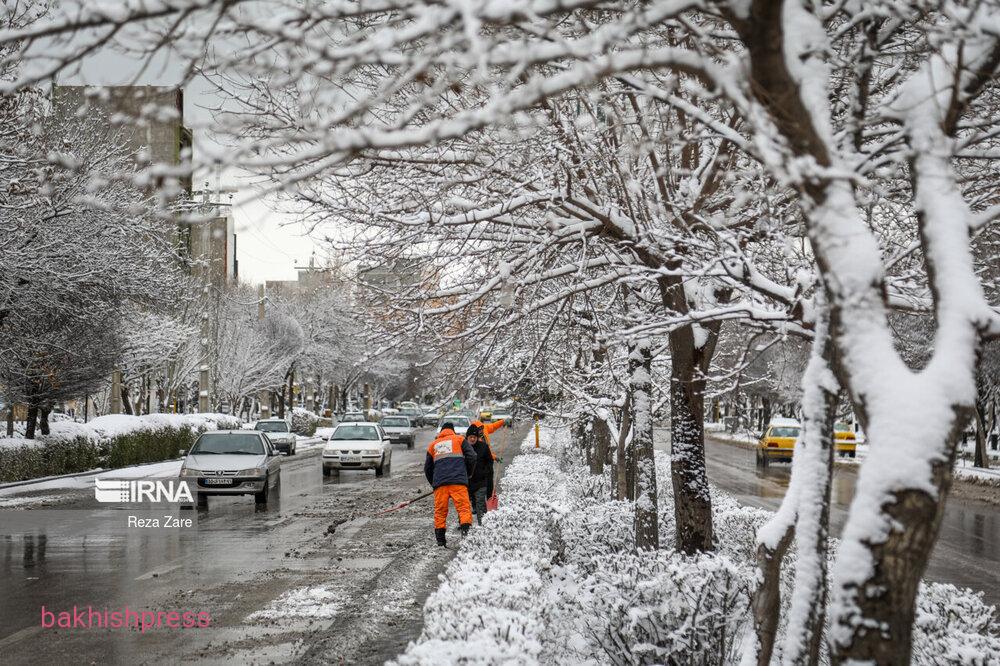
(261,497)
(291,451)
(380,470)
(409,444)
(327,471)
(202,501)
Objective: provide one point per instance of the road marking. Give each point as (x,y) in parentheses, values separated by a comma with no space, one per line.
(19,635)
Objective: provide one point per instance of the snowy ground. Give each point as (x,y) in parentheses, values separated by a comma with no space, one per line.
(553,579)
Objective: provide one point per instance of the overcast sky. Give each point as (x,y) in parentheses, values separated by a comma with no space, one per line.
(269,244)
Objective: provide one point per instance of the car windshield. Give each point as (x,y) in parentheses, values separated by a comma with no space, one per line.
(395,421)
(842,427)
(354,416)
(354,432)
(271,426)
(460,422)
(784,431)
(234,443)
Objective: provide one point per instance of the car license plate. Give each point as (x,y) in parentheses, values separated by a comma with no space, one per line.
(218,482)
(350,459)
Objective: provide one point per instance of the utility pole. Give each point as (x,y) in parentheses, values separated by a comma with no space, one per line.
(265,396)
(203,375)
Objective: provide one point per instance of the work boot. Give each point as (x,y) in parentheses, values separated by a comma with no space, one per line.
(465,528)
(479,519)
(440,536)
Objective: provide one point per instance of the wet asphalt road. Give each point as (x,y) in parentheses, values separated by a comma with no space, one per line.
(314,577)
(967,552)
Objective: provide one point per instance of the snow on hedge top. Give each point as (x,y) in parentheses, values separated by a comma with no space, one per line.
(113,425)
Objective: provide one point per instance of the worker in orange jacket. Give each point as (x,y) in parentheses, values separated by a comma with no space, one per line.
(447,466)
(488,429)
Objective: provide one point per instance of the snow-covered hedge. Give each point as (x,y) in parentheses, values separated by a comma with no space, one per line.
(304,422)
(112,441)
(552,578)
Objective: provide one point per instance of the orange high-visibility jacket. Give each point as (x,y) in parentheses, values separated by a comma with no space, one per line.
(449,461)
(488,428)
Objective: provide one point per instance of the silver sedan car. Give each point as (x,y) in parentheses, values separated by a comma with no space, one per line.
(232,462)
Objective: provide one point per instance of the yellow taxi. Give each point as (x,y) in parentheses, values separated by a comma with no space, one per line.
(845,442)
(486,415)
(778,441)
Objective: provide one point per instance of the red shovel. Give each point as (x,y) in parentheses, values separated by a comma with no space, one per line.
(492,503)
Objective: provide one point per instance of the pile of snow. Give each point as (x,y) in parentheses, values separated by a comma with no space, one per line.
(305,602)
(552,577)
(304,422)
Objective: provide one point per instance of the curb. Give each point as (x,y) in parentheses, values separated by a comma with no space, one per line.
(28,482)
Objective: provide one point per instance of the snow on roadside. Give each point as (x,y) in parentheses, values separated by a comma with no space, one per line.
(305,602)
(552,577)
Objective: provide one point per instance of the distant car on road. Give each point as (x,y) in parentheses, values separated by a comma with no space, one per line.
(357,445)
(460,422)
(353,417)
(505,415)
(845,442)
(280,433)
(777,442)
(232,462)
(400,430)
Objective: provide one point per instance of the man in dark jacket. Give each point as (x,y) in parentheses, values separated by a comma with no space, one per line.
(481,481)
(448,465)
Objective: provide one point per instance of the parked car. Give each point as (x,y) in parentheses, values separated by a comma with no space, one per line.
(400,430)
(777,442)
(357,445)
(280,433)
(232,462)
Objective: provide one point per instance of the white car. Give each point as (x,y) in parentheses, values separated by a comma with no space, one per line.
(460,423)
(357,445)
(232,462)
(280,434)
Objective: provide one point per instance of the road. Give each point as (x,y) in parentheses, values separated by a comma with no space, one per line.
(314,577)
(967,552)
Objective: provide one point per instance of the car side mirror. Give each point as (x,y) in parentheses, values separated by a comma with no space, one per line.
(183,453)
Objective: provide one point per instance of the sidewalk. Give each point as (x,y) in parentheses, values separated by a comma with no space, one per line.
(552,577)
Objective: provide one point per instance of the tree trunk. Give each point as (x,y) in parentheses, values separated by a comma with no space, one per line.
(647,535)
(602,445)
(43,419)
(692,501)
(982,458)
(281,402)
(291,389)
(814,469)
(126,403)
(621,462)
(29,426)
(10,419)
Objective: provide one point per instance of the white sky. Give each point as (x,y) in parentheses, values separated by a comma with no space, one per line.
(268,243)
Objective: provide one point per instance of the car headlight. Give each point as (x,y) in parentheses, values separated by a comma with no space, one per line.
(373,452)
(190,471)
(256,471)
